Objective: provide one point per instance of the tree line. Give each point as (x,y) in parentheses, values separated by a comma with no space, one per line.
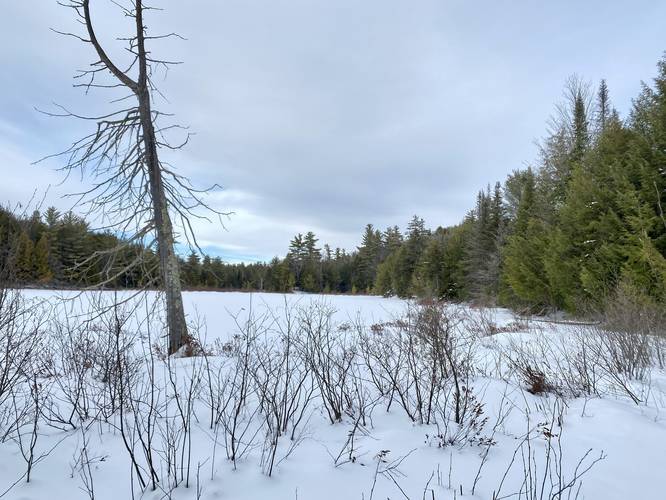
(61,249)
(586,218)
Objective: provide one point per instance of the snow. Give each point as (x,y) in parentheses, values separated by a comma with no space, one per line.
(630,437)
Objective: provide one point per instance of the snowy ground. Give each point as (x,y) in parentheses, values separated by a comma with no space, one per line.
(518,445)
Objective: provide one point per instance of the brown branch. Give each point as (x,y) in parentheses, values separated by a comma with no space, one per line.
(126,80)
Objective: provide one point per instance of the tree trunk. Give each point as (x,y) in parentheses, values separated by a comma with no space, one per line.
(169,267)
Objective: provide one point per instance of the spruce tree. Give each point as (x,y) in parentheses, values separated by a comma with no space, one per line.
(603,111)
(523,266)
(483,260)
(42,269)
(427,280)
(311,273)
(391,240)
(580,129)
(367,259)
(24,258)
(296,257)
(453,274)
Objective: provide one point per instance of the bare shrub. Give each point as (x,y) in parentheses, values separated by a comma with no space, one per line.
(577,361)
(634,328)
(482,322)
(424,361)
(389,470)
(348,453)
(184,392)
(583,359)
(330,355)
(230,396)
(541,467)
(469,427)
(383,360)
(416,372)
(554,362)
(284,387)
(21,327)
(453,349)
(84,463)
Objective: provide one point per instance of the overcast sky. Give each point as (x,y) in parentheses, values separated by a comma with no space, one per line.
(326,115)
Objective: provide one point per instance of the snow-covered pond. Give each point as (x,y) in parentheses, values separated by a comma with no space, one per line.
(375,450)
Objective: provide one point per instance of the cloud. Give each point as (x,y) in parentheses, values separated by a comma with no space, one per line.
(328,115)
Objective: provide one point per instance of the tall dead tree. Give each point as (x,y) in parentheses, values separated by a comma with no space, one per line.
(133,191)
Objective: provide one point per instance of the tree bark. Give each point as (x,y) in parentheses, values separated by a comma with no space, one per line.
(169,267)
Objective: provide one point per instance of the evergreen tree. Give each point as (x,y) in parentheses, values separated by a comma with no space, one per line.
(387,282)
(35,226)
(24,267)
(296,257)
(428,279)
(585,253)
(42,269)
(191,270)
(453,275)
(311,274)
(73,247)
(52,220)
(564,147)
(408,255)
(603,113)
(390,242)
(367,259)
(581,135)
(523,267)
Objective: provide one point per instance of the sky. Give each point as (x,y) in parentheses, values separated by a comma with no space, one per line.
(325,115)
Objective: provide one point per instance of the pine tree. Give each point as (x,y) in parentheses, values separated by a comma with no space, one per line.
(644,201)
(484,245)
(311,274)
(581,135)
(40,257)
(523,267)
(391,240)
(52,220)
(296,257)
(603,107)
(73,247)
(453,274)
(312,253)
(585,253)
(367,259)
(208,278)
(428,280)
(564,147)
(191,274)
(24,258)
(387,274)
(408,255)
(496,237)
(35,226)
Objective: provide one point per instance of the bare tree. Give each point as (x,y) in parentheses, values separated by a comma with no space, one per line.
(133,191)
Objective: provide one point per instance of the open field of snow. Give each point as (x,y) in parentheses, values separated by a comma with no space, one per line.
(324,398)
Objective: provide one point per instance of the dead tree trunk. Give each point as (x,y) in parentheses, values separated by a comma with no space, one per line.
(169,267)
(168,260)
